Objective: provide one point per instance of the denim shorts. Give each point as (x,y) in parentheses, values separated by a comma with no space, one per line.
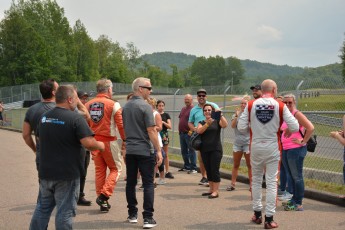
(241,148)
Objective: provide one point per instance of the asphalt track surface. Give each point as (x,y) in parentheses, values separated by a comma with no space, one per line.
(178,204)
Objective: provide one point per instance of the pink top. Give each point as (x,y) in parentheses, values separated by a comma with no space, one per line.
(287,142)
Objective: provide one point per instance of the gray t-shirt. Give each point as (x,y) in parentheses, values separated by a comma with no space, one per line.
(137,116)
(241,139)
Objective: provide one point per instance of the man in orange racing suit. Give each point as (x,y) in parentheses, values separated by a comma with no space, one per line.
(106,119)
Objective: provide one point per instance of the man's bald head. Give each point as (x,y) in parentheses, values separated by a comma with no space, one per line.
(269,86)
(188,99)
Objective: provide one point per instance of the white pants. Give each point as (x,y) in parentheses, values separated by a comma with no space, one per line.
(264,156)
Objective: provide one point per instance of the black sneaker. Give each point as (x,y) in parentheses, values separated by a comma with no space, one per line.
(149,223)
(133,219)
(203,181)
(182,170)
(169,175)
(83,202)
(104,207)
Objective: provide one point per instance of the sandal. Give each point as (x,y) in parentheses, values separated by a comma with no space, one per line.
(230,188)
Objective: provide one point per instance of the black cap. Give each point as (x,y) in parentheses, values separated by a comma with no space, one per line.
(82,94)
(257,87)
(201,91)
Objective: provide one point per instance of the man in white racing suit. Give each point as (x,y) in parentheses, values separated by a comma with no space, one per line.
(264,117)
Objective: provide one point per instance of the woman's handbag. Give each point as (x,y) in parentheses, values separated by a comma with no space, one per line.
(311,144)
(195,141)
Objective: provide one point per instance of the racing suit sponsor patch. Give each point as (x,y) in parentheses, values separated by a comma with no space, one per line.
(264,113)
(96,111)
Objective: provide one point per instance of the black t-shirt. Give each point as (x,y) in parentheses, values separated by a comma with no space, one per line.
(165,118)
(60,131)
(211,138)
(35,112)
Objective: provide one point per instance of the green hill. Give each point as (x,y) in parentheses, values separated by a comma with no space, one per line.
(163,60)
(253,69)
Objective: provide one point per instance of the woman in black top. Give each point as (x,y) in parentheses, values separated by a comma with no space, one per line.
(166,121)
(211,148)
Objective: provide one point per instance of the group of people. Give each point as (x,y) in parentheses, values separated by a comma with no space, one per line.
(269,132)
(68,129)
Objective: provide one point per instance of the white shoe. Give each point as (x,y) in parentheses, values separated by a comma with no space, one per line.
(161,182)
(287,196)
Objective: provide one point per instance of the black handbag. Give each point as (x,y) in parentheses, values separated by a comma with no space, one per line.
(195,141)
(311,143)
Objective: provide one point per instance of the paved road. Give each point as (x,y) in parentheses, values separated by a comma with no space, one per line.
(178,204)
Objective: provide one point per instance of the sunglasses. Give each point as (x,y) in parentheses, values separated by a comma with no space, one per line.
(288,102)
(207,110)
(146,87)
(201,95)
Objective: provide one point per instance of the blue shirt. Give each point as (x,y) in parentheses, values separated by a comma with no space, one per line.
(196,114)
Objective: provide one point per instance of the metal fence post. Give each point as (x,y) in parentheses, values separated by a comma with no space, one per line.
(173,121)
(226,90)
(297,92)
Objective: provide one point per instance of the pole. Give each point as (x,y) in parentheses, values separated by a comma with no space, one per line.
(297,92)
(226,90)
(173,121)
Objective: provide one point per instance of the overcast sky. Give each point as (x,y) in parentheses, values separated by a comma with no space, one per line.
(293,32)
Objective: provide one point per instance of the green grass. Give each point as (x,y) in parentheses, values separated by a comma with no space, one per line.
(321,163)
(309,183)
(324,186)
(322,103)
(323,130)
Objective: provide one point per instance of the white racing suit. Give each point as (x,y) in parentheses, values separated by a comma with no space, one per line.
(264,121)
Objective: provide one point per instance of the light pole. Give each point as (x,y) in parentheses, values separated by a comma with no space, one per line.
(232,80)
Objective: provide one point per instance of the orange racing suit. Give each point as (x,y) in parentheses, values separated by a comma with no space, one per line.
(106,121)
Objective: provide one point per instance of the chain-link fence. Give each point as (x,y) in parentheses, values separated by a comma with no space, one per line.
(321,102)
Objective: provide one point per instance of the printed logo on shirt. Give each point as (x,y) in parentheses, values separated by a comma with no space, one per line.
(97,111)
(51,120)
(264,113)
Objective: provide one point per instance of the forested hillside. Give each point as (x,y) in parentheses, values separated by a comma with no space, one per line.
(253,70)
(163,60)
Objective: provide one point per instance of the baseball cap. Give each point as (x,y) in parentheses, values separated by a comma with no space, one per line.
(201,91)
(82,94)
(257,87)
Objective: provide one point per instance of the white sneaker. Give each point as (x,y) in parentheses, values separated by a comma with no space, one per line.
(161,182)
(287,196)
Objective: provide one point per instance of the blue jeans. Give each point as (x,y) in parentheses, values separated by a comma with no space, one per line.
(295,158)
(63,195)
(284,174)
(145,165)
(188,154)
